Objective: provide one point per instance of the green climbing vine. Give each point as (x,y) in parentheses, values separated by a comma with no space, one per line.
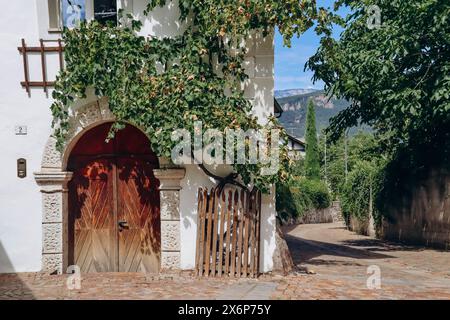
(161,84)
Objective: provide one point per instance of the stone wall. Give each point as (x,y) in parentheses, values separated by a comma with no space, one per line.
(360,226)
(328,215)
(421,214)
(315,216)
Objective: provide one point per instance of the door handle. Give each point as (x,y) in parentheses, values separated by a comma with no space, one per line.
(123,225)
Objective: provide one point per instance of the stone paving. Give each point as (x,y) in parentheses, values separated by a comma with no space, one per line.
(334,262)
(331,264)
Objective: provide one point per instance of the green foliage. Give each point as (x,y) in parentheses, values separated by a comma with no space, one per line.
(316,191)
(362,146)
(168,83)
(397,78)
(312,161)
(290,203)
(301,195)
(397,75)
(359,190)
(297,168)
(333,171)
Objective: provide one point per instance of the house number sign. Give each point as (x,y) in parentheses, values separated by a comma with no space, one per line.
(21,130)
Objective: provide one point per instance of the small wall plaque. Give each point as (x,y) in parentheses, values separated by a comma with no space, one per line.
(21,168)
(21,130)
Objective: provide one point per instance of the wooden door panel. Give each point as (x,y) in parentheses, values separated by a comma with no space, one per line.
(138,205)
(92,210)
(113,181)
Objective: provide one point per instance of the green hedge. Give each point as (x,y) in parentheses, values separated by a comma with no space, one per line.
(301,195)
(355,196)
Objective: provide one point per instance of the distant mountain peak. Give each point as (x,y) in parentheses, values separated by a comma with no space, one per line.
(292,92)
(295,109)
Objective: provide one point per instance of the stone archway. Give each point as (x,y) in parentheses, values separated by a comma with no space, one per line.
(53,179)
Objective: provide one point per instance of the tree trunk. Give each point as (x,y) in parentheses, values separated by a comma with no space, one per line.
(282,259)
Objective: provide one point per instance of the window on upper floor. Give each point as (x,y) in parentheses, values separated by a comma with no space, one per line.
(105,11)
(54,14)
(69,13)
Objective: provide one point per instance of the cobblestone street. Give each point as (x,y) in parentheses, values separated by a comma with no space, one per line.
(331,264)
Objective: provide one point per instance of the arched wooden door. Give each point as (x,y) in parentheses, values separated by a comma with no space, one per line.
(114,219)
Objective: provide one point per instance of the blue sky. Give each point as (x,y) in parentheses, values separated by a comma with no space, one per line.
(290,62)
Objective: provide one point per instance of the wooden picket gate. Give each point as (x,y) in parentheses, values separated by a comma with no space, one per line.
(228,233)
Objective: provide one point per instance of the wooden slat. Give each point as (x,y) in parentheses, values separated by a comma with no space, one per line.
(199,228)
(37,84)
(252,244)
(202,232)
(228,238)
(258,231)
(233,225)
(38,49)
(246,233)
(60,54)
(240,233)
(208,232)
(25,69)
(44,69)
(215,230)
(235,228)
(223,212)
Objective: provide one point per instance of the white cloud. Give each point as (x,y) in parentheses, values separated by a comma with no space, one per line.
(294,82)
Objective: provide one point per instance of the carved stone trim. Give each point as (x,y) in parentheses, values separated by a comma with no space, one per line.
(170,236)
(52,263)
(53,181)
(170,186)
(54,218)
(170,179)
(170,205)
(170,260)
(82,118)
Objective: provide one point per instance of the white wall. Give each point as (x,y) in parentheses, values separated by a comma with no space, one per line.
(20,199)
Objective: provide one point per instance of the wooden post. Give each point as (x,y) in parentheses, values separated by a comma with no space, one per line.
(60,52)
(235,228)
(241,228)
(25,66)
(223,211)
(208,231)
(44,75)
(228,240)
(215,216)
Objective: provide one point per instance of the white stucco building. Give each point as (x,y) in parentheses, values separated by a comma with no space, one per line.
(35,210)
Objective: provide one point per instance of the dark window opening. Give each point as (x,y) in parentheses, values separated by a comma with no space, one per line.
(105,11)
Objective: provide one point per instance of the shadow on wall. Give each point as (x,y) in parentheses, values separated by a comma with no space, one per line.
(163,21)
(12,287)
(195,178)
(420,215)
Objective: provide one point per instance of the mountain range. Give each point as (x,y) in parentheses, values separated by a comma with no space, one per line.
(294,103)
(292,92)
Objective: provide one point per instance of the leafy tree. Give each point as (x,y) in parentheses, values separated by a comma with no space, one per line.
(312,160)
(333,170)
(362,147)
(396,75)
